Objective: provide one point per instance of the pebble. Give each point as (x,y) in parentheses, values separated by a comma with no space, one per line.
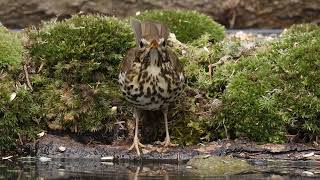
(62,148)
(44,159)
(41,134)
(107,158)
(7,158)
(308,155)
(114,109)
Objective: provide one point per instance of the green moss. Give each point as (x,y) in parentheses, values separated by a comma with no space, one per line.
(186,25)
(215,166)
(19,114)
(273,91)
(81,107)
(10,49)
(77,84)
(81,49)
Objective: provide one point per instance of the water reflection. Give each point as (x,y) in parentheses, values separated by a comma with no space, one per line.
(30,168)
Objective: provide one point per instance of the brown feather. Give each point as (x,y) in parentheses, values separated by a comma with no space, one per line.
(128,60)
(136,26)
(176,64)
(151,30)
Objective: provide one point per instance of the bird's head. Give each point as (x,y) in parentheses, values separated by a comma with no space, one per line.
(151,39)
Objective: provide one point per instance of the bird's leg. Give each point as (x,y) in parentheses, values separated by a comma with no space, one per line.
(167,141)
(136,143)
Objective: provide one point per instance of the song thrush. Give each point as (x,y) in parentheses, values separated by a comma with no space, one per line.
(151,75)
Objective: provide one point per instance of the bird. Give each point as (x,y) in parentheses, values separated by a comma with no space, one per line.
(151,76)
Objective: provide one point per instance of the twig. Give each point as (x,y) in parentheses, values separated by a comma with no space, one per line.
(120,123)
(226,130)
(27,77)
(40,68)
(20,139)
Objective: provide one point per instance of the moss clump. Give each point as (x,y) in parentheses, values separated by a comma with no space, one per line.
(218,165)
(81,49)
(19,113)
(186,25)
(193,115)
(81,107)
(79,64)
(275,91)
(19,117)
(10,49)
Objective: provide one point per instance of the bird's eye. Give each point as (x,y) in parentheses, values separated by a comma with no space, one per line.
(164,43)
(141,44)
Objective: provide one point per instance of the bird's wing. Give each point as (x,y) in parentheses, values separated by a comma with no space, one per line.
(176,64)
(128,60)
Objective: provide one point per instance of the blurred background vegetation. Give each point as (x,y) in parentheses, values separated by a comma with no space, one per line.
(59,74)
(230,13)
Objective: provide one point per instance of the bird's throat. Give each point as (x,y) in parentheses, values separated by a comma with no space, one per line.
(154,57)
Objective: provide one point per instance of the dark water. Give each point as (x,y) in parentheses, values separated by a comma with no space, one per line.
(31,168)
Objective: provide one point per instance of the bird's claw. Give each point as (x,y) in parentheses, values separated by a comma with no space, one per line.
(167,143)
(136,143)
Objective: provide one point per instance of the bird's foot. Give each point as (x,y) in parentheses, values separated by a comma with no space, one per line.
(136,143)
(167,143)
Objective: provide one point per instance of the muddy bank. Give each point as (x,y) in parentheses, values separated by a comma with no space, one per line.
(50,146)
(231,13)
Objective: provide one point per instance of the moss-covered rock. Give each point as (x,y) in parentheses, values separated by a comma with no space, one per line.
(215,166)
(10,49)
(76,64)
(275,91)
(20,119)
(186,25)
(81,49)
(19,113)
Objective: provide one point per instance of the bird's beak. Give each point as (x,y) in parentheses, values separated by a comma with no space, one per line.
(154,44)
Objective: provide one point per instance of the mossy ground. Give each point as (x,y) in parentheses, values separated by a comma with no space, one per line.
(238,87)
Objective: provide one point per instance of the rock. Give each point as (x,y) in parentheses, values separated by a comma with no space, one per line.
(48,146)
(107,158)
(41,134)
(44,159)
(218,165)
(7,157)
(62,148)
(114,109)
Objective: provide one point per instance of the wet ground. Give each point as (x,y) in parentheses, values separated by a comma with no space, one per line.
(32,168)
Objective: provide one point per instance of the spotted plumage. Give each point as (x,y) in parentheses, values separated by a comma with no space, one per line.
(151,75)
(151,86)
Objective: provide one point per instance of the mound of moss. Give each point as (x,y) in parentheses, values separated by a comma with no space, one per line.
(76,64)
(19,113)
(10,49)
(273,92)
(81,49)
(20,119)
(186,25)
(192,115)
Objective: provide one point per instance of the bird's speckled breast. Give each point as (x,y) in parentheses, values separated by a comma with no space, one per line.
(152,87)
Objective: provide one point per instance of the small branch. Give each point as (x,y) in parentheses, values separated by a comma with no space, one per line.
(27,77)
(226,130)
(20,139)
(40,68)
